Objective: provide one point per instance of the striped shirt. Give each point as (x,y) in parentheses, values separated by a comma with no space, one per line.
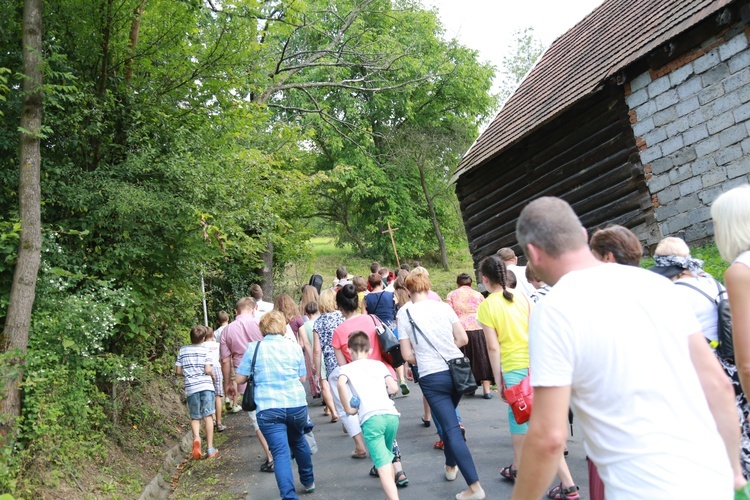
(193,360)
(278,368)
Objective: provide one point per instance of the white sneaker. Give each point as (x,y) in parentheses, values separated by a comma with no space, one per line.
(236,409)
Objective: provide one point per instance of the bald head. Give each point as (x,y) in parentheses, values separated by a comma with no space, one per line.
(551,225)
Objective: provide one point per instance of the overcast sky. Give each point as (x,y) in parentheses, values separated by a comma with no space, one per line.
(488,25)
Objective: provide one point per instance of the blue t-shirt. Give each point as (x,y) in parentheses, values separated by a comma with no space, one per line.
(381,305)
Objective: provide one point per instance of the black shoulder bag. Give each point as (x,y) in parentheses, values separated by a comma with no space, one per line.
(459,368)
(248,398)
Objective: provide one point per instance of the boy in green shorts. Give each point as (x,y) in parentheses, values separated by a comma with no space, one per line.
(370,383)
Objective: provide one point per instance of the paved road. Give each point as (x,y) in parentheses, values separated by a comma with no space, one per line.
(337,476)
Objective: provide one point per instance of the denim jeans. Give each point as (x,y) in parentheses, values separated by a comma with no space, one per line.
(443,400)
(284,429)
(440,429)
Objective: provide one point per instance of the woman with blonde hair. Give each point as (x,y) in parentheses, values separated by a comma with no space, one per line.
(324,359)
(279,373)
(731,217)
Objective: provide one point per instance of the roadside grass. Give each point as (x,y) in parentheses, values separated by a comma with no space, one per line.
(327,257)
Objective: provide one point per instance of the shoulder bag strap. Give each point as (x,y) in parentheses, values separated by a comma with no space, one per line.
(699,291)
(417,329)
(255,355)
(377,303)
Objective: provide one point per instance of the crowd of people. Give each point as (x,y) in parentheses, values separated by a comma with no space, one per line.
(654,364)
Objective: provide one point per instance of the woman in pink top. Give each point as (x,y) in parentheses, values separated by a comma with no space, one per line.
(465,300)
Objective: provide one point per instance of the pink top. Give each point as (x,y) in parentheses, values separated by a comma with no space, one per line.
(363,322)
(465,301)
(434,296)
(237,334)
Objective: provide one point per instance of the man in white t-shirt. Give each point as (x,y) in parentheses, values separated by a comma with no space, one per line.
(511,263)
(611,341)
(262,307)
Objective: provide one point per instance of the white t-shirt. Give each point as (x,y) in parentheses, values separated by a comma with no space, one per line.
(522,283)
(367,381)
(618,336)
(744,258)
(263,308)
(213,354)
(217,333)
(435,320)
(704,309)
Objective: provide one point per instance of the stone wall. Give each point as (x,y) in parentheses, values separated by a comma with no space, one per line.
(691,120)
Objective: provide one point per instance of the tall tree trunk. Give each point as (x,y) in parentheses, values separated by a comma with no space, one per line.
(433,215)
(16,331)
(135,28)
(266,283)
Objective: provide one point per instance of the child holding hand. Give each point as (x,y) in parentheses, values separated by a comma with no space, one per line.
(370,383)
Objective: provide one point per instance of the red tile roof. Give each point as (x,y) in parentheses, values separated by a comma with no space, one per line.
(613,36)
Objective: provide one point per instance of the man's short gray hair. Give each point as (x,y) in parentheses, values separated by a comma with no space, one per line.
(550,224)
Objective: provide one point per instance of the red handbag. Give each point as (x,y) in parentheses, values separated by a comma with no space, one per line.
(520,397)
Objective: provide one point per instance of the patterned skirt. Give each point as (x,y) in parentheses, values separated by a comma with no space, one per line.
(476,351)
(743,410)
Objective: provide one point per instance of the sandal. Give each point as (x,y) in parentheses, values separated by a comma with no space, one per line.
(221,427)
(374,472)
(401,480)
(426,423)
(267,466)
(509,473)
(359,455)
(560,493)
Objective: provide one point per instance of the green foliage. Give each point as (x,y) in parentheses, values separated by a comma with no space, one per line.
(216,134)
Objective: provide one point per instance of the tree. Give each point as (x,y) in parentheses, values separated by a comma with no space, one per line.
(18,317)
(522,55)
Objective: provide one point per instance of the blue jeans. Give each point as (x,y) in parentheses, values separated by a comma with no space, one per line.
(443,400)
(284,429)
(440,429)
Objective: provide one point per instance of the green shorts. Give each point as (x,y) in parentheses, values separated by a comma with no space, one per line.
(379,432)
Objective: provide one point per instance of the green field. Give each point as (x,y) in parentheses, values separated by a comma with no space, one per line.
(327,257)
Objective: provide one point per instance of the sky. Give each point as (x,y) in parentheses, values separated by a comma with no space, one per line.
(488,25)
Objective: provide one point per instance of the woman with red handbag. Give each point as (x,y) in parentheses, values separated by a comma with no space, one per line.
(504,316)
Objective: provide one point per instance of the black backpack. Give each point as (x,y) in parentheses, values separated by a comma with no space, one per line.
(316,280)
(725,349)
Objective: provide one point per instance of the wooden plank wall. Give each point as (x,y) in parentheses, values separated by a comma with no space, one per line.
(587,156)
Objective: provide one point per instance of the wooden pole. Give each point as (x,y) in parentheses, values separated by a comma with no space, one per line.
(393,242)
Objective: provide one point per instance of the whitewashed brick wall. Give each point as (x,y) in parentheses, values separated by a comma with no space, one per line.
(693,128)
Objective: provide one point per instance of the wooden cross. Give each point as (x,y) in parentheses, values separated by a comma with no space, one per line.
(393,242)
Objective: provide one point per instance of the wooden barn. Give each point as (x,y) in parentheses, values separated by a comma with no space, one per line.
(628,117)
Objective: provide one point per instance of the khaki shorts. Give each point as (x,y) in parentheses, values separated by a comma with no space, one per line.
(253,420)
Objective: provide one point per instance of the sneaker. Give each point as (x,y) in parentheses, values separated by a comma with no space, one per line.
(439,445)
(196,449)
(310,489)
(236,409)
(212,452)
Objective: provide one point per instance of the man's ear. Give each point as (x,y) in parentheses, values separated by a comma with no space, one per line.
(533,254)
